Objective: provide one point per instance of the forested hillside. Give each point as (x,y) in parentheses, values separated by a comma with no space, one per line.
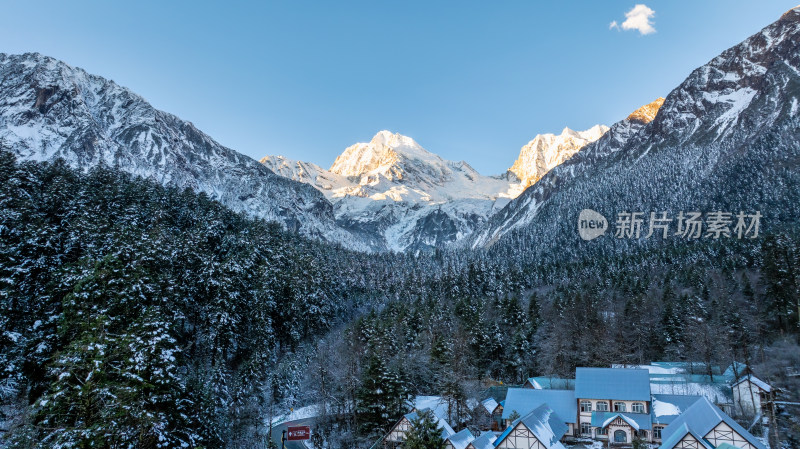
(135,315)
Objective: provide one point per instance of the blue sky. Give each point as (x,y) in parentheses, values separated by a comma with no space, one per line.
(468,80)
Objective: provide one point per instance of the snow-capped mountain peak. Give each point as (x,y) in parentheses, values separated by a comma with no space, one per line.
(546,151)
(387,154)
(726,138)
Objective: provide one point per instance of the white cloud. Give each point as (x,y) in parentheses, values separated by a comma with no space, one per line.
(613,25)
(639,18)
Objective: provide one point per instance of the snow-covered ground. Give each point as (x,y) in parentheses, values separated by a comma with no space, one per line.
(307,412)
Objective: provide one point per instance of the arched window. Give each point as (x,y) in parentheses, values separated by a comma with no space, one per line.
(637,407)
(586,406)
(620,436)
(602,406)
(619,407)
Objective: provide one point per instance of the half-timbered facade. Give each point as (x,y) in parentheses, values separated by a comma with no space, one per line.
(459,440)
(616,406)
(397,435)
(612,405)
(521,401)
(704,426)
(521,437)
(539,429)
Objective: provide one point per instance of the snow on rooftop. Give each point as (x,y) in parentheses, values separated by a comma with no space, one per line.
(757,382)
(435,403)
(536,385)
(661,408)
(716,393)
(490,404)
(485,441)
(461,439)
(633,423)
(656,368)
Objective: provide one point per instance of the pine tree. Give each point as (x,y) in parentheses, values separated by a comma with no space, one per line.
(380,397)
(424,433)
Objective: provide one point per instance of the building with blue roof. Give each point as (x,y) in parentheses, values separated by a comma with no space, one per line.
(485,441)
(541,428)
(549,383)
(613,404)
(494,411)
(704,425)
(697,379)
(751,395)
(735,371)
(638,421)
(612,383)
(524,400)
(684,437)
(397,435)
(459,440)
(666,408)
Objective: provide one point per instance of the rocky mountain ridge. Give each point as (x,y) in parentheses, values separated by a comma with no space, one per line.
(49,110)
(726,139)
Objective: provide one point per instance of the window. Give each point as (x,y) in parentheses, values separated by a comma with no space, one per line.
(586,428)
(601,431)
(637,407)
(620,436)
(602,406)
(641,434)
(657,433)
(619,407)
(586,406)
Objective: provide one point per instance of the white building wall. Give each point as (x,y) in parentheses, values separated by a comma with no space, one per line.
(521,438)
(723,433)
(747,398)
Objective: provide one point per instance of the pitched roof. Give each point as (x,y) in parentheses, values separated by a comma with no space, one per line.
(699,419)
(485,441)
(719,393)
(666,407)
(736,370)
(534,383)
(435,403)
(551,383)
(544,424)
(461,439)
(637,420)
(490,404)
(755,381)
(612,383)
(676,437)
(525,400)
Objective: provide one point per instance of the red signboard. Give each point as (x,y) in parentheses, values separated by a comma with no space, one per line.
(299,433)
